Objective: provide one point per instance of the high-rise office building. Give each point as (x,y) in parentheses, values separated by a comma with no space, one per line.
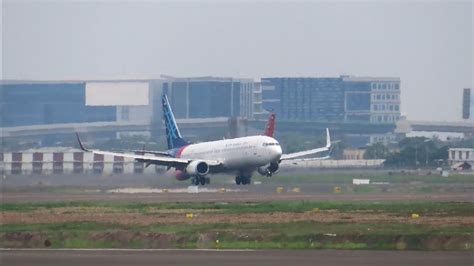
(346,98)
(468,104)
(317,99)
(372,99)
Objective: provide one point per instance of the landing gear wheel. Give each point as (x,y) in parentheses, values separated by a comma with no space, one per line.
(238,180)
(200,180)
(246,180)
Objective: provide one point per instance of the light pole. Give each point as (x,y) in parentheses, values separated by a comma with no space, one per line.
(416,155)
(426,153)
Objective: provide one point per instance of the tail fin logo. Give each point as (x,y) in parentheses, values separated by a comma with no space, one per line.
(270,127)
(173,136)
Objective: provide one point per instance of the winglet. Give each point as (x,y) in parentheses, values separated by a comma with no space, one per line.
(328,139)
(80,143)
(330,152)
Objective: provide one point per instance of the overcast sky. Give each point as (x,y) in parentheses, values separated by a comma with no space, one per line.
(428,44)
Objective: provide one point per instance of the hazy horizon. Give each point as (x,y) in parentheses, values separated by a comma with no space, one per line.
(427,44)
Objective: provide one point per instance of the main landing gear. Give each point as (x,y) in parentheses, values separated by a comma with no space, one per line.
(200,180)
(244,180)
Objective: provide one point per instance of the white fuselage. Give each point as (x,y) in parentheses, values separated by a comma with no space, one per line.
(236,154)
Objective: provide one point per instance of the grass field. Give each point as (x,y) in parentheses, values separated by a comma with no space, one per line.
(294,225)
(402,207)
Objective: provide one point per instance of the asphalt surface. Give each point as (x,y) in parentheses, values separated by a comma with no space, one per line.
(242,196)
(92,187)
(233,257)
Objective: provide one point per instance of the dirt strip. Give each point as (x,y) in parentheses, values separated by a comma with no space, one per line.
(103,215)
(251,196)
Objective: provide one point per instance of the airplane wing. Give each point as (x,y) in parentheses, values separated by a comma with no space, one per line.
(299,154)
(158,160)
(143,152)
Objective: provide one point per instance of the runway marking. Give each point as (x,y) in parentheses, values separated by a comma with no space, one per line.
(126,249)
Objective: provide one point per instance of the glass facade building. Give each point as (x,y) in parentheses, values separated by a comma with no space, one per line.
(210,97)
(385,99)
(468,104)
(350,99)
(39,103)
(314,99)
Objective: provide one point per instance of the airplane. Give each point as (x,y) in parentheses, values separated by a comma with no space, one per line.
(241,156)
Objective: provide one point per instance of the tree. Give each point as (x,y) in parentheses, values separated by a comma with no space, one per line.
(418,152)
(376,151)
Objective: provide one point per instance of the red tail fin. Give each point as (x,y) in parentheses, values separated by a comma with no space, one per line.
(270,125)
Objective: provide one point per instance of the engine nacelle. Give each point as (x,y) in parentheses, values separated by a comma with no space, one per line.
(181,175)
(199,168)
(268,170)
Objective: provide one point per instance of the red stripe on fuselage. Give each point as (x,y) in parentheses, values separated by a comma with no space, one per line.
(180,151)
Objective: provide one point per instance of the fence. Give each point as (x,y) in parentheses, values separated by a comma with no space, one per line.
(46,163)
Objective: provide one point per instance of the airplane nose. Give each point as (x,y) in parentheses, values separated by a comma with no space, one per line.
(276,153)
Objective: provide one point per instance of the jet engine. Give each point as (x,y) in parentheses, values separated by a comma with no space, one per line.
(268,170)
(181,175)
(199,168)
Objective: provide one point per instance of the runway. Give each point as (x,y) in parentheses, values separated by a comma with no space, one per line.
(244,196)
(233,257)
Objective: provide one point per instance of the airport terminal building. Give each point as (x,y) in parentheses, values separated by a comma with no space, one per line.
(40,103)
(26,103)
(115,108)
